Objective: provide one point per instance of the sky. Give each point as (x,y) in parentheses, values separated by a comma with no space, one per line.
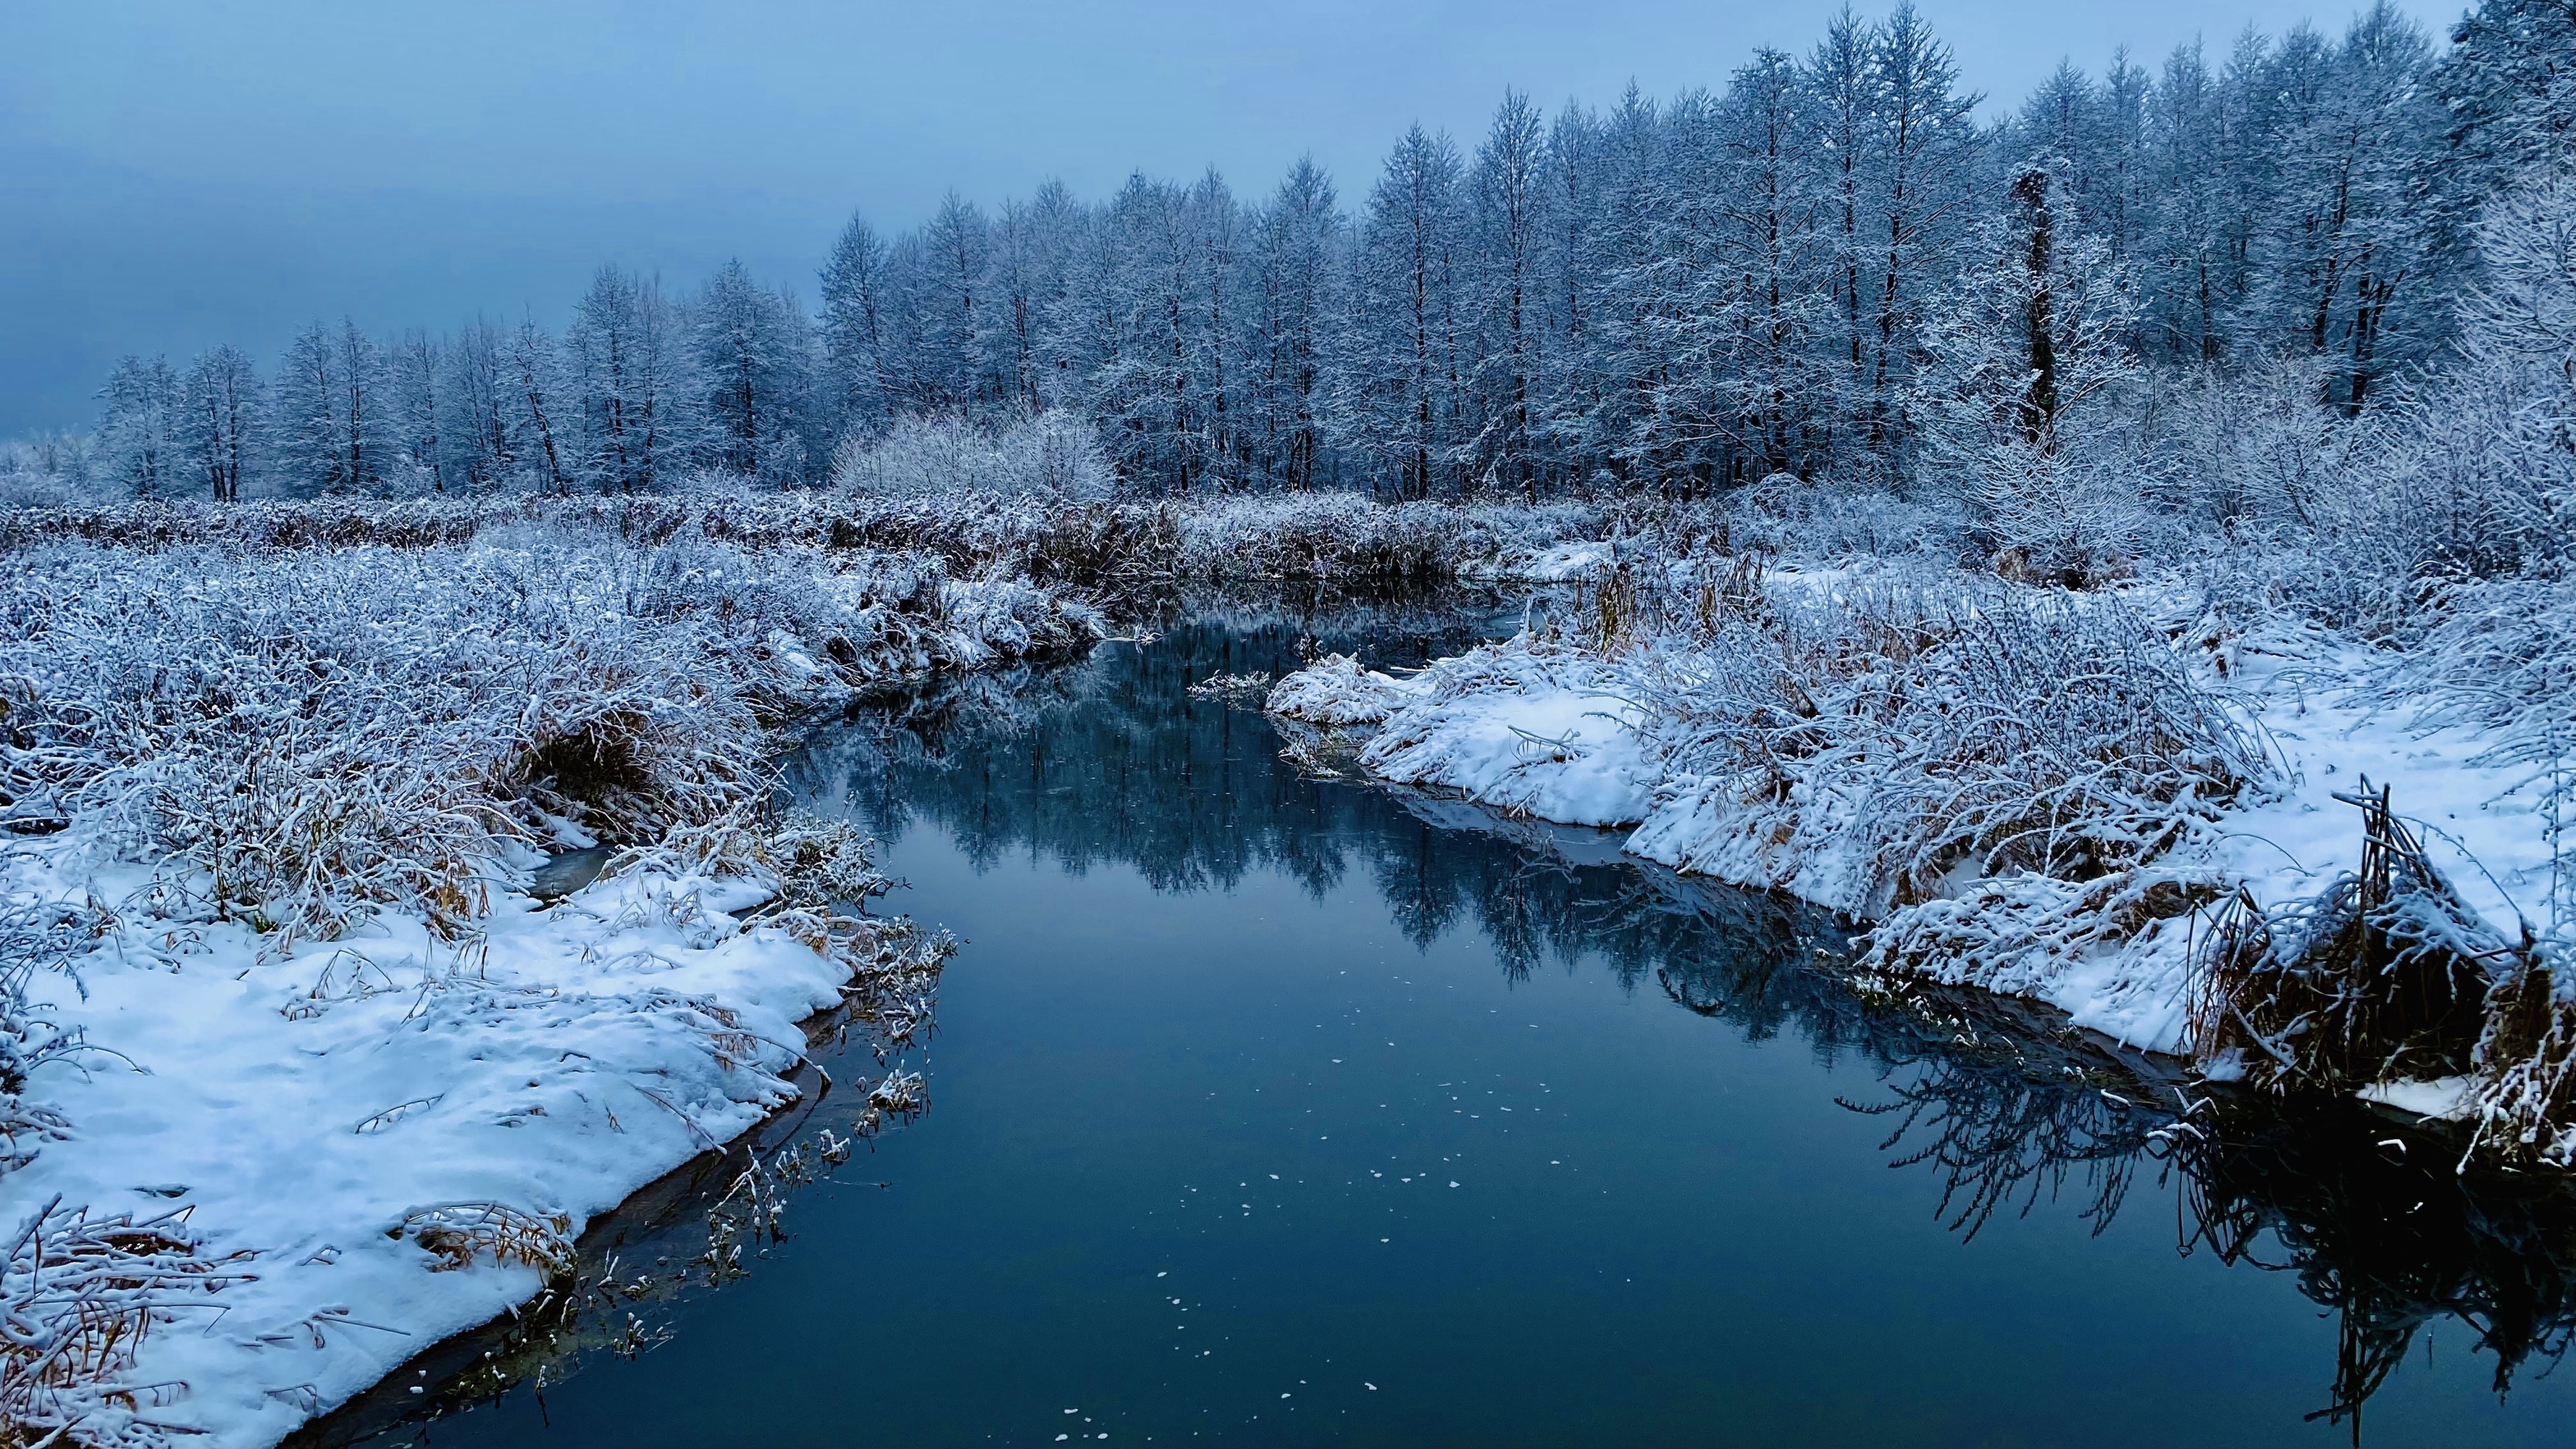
(175,173)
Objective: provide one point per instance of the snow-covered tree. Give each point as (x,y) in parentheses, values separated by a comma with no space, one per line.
(859,369)
(329,433)
(138,430)
(1397,389)
(1927,150)
(2508,86)
(219,422)
(415,370)
(2347,252)
(537,408)
(2030,338)
(955,256)
(624,357)
(1507,189)
(1289,312)
(1842,95)
(479,402)
(1681,293)
(753,354)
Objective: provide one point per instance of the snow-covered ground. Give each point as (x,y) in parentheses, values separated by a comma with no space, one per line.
(1554,564)
(1558,733)
(1524,734)
(304,1106)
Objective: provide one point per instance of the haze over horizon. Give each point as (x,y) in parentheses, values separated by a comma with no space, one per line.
(172,175)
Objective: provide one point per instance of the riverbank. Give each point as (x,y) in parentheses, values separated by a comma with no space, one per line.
(2080,799)
(302,1073)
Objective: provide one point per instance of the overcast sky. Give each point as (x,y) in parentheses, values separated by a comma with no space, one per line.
(182,172)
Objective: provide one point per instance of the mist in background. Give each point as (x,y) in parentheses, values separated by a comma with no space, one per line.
(177,174)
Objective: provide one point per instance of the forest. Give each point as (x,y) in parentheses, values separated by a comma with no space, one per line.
(1814,268)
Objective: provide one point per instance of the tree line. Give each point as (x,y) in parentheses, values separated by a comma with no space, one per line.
(1797,272)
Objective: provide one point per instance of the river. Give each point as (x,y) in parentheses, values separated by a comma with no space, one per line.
(1277,1108)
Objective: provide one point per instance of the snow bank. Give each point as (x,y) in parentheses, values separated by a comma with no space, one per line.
(2033,794)
(1336,693)
(1513,726)
(1556,564)
(304,1105)
(269,821)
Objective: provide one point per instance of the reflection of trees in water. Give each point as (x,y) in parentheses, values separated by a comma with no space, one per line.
(1113,763)
(2379,1222)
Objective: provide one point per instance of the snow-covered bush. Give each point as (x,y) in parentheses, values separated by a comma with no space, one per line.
(1838,518)
(1349,536)
(2502,658)
(1334,692)
(2024,354)
(1052,539)
(1037,453)
(2255,453)
(1918,729)
(35,935)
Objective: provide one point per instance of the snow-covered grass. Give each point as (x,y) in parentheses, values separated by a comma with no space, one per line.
(2075,797)
(1862,746)
(275,985)
(1349,536)
(1064,537)
(314,733)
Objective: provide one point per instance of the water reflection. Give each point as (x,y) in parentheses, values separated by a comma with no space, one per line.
(2005,1105)
(2381,1225)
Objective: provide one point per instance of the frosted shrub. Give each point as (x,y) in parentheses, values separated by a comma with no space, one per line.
(45,473)
(311,735)
(2503,657)
(1837,518)
(1350,536)
(1937,727)
(35,935)
(2059,737)
(1047,454)
(2257,453)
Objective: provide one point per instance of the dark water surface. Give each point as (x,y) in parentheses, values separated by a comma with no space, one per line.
(1277,1110)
